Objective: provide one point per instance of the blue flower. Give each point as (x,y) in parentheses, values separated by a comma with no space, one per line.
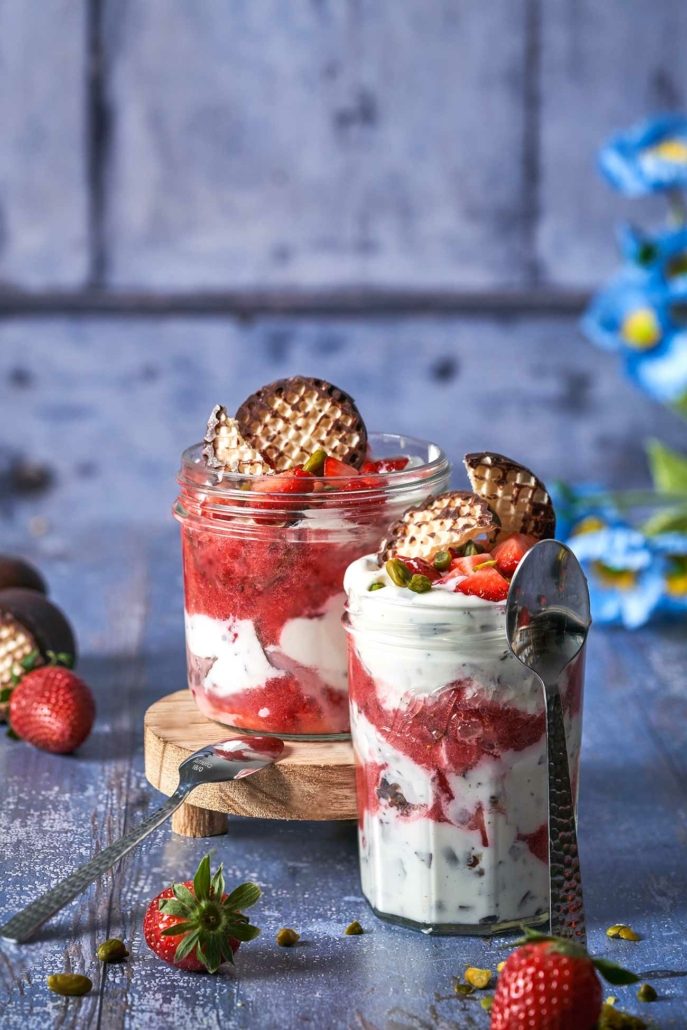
(673,548)
(662,372)
(647,158)
(626,575)
(631,312)
(581,508)
(660,257)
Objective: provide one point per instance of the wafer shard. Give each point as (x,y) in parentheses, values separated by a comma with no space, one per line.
(289,419)
(225,449)
(518,497)
(447,520)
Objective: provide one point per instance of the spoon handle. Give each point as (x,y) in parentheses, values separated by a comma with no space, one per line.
(24,924)
(565,878)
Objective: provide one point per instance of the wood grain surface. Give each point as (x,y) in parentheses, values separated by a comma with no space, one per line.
(312,780)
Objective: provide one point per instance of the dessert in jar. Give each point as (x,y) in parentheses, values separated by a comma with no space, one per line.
(273,506)
(448,728)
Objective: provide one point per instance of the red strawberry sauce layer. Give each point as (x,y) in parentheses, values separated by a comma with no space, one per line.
(268,581)
(447,733)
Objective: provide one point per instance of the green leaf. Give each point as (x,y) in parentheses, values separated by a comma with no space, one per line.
(672,520)
(12,735)
(182,893)
(614,973)
(243,896)
(201,880)
(242,931)
(173,907)
(179,928)
(668,468)
(227,953)
(218,883)
(202,957)
(212,952)
(30,660)
(187,945)
(5,694)
(66,659)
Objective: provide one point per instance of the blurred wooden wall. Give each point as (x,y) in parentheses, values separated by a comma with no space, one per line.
(199,195)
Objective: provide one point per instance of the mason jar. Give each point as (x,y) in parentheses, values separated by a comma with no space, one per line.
(449,734)
(263,585)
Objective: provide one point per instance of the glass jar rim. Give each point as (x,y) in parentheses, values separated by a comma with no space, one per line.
(195,476)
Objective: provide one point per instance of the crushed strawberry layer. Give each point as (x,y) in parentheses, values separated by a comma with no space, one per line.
(448,733)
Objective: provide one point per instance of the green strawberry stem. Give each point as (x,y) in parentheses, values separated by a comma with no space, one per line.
(610,971)
(209,920)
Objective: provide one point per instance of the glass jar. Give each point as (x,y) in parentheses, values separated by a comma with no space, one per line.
(449,736)
(263,583)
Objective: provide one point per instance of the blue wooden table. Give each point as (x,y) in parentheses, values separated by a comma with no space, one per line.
(123,589)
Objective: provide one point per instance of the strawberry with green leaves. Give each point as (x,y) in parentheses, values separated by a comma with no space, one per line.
(197,926)
(552,984)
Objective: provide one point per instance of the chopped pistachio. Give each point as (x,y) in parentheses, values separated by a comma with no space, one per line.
(315,462)
(470,548)
(500,966)
(485,565)
(463,990)
(286,937)
(112,950)
(626,933)
(353,929)
(398,572)
(70,985)
(612,1018)
(610,1000)
(647,993)
(420,584)
(486,1002)
(442,560)
(376,586)
(479,978)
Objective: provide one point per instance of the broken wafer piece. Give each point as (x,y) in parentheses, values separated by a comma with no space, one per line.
(289,419)
(225,449)
(518,497)
(447,520)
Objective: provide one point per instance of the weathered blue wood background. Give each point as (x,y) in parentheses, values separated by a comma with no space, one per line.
(198,197)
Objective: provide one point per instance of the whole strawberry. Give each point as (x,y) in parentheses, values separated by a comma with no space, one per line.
(52,708)
(552,984)
(195,925)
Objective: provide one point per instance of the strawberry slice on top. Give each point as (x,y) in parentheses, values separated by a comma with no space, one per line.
(487,583)
(510,552)
(385,464)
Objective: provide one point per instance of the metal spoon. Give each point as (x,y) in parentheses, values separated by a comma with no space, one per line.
(229,760)
(547,621)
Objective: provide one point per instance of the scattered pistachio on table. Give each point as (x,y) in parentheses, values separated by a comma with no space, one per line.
(286,937)
(647,993)
(353,929)
(71,985)
(479,978)
(622,930)
(112,950)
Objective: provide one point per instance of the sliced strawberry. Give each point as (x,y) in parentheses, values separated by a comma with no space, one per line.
(469,564)
(347,477)
(385,464)
(295,481)
(421,567)
(486,583)
(510,552)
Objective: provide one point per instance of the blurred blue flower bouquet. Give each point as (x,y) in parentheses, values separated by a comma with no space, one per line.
(642,313)
(632,544)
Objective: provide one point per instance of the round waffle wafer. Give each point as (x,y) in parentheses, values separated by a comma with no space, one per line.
(447,520)
(289,419)
(225,449)
(518,497)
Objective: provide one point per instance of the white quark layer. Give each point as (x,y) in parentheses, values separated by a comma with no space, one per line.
(240,662)
(319,643)
(438,874)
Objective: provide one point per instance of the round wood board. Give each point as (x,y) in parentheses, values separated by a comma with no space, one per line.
(314,780)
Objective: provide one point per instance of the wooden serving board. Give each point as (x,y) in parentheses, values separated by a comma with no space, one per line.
(314,780)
